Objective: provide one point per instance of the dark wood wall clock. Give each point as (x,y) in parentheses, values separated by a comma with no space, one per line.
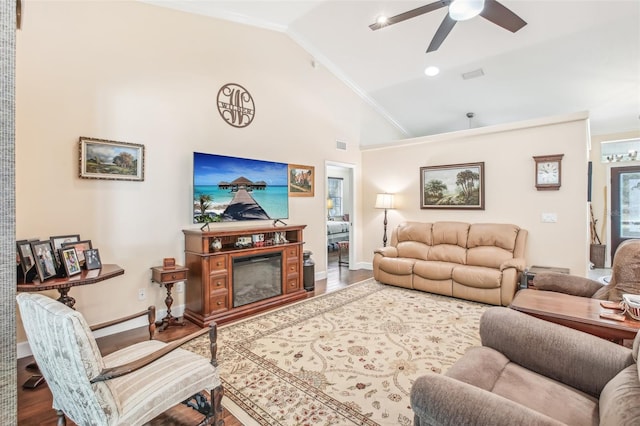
(548,171)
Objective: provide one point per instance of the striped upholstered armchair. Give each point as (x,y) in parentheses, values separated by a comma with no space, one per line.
(128,387)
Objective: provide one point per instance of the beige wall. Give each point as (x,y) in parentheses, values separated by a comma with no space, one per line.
(132,72)
(600,193)
(510,194)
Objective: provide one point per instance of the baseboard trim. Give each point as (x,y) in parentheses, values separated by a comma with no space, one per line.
(24,350)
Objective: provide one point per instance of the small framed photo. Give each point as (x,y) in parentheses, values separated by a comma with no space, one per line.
(25,254)
(301,180)
(80,247)
(58,240)
(44,258)
(70,261)
(92,259)
(104,159)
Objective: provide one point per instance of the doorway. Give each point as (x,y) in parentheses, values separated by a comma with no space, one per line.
(340,196)
(625,205)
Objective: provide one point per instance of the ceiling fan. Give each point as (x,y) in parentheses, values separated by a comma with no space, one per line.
(459,10)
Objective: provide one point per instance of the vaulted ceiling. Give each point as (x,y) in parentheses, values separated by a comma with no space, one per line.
(573,55)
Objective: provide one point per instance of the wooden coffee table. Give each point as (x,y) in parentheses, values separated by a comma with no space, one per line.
(580,313)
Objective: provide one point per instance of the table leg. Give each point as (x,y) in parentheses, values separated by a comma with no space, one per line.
(65,298)
(342,246)
(169,319)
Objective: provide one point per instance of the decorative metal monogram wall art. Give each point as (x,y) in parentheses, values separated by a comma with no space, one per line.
(235,105)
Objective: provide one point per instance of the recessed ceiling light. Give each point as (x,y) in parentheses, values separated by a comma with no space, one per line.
(382,20)
(432,71)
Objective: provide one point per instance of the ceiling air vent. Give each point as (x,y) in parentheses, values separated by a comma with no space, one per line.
(341,145)
(473,74)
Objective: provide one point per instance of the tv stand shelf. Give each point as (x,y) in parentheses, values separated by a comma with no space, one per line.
(209,257)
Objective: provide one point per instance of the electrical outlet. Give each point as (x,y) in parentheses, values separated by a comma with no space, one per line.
(142,294)
(549,217)
(180,287)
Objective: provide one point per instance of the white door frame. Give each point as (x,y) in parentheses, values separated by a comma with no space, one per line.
(352,216)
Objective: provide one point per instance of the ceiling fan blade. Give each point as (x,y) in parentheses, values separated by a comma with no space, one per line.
(443,31)
(411,14)
(500,15)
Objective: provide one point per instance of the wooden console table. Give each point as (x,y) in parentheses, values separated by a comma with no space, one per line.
(209,293)
(63,285)
(580,313)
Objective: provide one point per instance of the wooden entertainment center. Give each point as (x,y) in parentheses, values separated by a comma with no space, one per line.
(210,256)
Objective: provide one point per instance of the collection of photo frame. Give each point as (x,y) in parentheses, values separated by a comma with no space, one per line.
(59,256)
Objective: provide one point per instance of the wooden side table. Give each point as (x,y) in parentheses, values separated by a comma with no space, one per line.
(168,277)
(581,313)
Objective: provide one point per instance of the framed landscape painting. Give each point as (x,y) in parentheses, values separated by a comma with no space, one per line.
(103,159)
(301,180)
(454,186)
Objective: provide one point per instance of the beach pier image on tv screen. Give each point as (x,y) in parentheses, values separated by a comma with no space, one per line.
(232,189)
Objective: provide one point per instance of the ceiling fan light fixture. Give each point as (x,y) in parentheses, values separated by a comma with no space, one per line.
(432,71)
(382,20)
(461,10)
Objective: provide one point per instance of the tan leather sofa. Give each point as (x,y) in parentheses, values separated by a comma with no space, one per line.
(480,262)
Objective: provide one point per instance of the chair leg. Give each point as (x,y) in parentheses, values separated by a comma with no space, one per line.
(211,409)
(199,403)
(216,405)
(62,420)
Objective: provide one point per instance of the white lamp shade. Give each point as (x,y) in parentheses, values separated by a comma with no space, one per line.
(461,10)
(384,201)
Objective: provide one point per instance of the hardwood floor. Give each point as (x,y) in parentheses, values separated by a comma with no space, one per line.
(34,405)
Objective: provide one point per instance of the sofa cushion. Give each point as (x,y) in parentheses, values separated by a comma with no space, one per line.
(397,265)
(448,253)
(491,257)
(477,276)
(491,244)
(434,270)
(490,370)
(493,234)
(413,249)
(620,399)
(452,233)
(414,231)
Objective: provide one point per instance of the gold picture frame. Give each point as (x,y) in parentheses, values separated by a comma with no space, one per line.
(111,160)
(301,180)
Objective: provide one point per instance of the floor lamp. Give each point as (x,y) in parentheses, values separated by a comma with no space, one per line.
(384,201)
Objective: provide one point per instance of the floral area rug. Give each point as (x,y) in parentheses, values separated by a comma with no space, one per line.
(344,358)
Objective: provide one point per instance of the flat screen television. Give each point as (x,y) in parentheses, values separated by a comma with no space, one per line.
(235,189)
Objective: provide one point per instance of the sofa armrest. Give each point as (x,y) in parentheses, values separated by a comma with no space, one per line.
(564,283)
(387,251)
(572,357)
(442,400)
(517,262)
